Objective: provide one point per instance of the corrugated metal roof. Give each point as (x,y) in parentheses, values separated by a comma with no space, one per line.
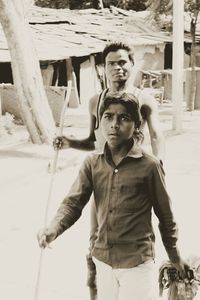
(63,33)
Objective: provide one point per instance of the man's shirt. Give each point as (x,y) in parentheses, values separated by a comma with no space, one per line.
(124,196)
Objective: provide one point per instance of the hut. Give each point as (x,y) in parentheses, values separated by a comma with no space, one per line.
(74,39)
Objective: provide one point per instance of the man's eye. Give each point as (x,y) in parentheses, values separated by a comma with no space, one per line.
(122,62)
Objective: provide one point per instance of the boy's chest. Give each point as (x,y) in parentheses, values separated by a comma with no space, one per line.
(123,188)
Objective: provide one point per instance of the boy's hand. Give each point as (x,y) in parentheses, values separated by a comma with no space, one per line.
(60,142)
(45,237)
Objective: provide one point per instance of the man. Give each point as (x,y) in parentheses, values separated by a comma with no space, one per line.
(119,66)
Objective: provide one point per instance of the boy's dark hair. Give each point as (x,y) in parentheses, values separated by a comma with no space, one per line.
(126,99)
(115,46)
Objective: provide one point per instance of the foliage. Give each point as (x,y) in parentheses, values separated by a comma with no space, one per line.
(192,5)
(136,5)
(165,6)
(160,6)
(52,3)
(6,124)
(77,4)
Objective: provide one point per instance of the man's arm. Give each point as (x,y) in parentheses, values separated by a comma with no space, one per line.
(65,142)
(149,112)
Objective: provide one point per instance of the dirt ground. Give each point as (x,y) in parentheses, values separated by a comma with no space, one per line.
(25,182)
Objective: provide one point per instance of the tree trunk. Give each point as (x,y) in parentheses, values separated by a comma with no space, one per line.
(33,102)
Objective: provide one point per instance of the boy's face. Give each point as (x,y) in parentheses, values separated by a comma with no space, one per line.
(118,66)
(117,125)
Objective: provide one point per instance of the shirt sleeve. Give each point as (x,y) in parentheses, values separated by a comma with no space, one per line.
(93,225)
(162,208)
(79,194)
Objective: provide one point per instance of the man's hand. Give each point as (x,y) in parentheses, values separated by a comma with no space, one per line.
(61,142)
(182,267)
(45,237)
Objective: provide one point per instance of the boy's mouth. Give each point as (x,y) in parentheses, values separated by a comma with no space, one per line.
(114,134)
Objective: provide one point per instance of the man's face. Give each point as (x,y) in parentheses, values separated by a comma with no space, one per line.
(118,66)
(117,125)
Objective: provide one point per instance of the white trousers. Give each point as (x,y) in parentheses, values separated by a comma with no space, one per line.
(138,283)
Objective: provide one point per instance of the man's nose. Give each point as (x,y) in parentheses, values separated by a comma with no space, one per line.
(116,66)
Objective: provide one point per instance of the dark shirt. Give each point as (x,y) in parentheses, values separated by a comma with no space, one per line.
(124,196)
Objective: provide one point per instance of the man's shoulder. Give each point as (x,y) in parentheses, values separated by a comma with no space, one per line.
(143,96)
(93,157)
(150,159)
(94,100)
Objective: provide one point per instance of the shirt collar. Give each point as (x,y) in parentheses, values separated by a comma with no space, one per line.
(135,151)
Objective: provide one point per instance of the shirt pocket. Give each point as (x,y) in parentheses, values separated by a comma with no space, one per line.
(131,197)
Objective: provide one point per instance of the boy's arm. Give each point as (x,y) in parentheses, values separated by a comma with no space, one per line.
(65,142)
(162,208)
(167,225)
(71,208)
(93,225)
(149,112)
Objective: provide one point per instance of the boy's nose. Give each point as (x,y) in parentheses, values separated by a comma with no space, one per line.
(115,124)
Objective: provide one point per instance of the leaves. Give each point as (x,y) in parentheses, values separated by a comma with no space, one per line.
(136,5)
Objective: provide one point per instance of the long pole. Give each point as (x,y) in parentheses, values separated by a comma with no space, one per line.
(53,172)
(178,64)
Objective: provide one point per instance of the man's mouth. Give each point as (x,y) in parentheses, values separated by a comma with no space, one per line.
(119,74)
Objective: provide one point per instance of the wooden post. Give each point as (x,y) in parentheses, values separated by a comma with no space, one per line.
(178,54)
(0,105)
(74,97)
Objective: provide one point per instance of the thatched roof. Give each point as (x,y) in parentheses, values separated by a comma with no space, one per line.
(63,33)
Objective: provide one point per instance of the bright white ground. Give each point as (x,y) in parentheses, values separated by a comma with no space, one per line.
(24,182)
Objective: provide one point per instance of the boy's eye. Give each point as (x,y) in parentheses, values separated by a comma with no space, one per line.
(125,118)
(107,116)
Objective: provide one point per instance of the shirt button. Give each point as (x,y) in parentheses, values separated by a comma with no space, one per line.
(116,171)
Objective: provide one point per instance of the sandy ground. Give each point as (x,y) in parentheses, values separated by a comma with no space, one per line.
(25,182)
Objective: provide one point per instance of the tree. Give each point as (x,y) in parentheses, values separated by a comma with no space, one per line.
(33,102)
(192,7)
(77,4)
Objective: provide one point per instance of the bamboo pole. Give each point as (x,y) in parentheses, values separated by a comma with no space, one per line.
(53,172)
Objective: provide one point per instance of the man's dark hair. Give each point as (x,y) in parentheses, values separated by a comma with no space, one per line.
(115,46)
(128,100)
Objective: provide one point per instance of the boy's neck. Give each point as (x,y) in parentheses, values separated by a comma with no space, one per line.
(119,152)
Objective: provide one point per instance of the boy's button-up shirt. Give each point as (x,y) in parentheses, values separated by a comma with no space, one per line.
(124,196)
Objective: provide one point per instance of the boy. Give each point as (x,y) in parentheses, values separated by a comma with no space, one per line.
(127,184)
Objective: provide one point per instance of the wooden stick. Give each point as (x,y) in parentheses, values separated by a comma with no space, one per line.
(53,172)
